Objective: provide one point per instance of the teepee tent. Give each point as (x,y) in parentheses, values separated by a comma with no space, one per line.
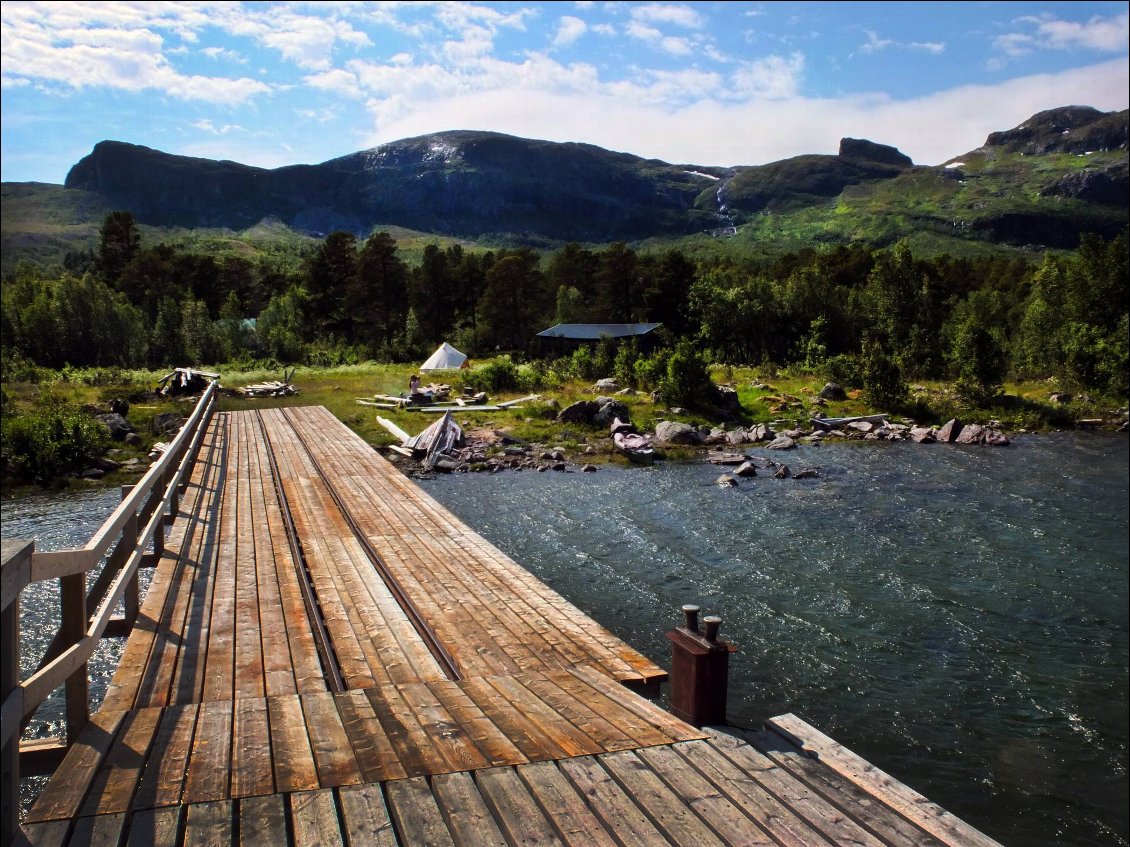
(445,358)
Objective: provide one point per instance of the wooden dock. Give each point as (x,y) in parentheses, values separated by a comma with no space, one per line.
(326,656)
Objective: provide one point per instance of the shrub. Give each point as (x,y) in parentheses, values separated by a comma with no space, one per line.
(843,370)
(47,443)
(499,375)
(687,382)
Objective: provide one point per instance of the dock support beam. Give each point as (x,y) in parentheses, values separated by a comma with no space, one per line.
(15,566)
(700,670)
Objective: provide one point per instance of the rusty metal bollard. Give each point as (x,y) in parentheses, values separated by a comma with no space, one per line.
(700,670)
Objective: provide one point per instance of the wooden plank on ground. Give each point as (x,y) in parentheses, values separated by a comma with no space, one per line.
(794,793)
(375,755)
(467,816)
(414,749)
(313,816)
(333,754)
(119,772)
(163,779)
(516,726)
(209,766)
(365,816)
(448,735)
(608,801)
(64,793)
(290,746)
(251,766)
(723,816)
(573,820)
(209,824)
(155,827)
(664,807)
(98,831)
(515,810)
(416,815)
(944,826)
(262,821)
(884,822)
(491,741)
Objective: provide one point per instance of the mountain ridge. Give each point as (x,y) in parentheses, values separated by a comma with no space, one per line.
(1060,174)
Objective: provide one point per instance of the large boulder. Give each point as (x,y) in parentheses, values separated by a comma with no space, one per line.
(607,385)
(674,432)
(949,432)
(832,391)
(581,412)
(781,442)
(118,426)
(608,411)
(971,434)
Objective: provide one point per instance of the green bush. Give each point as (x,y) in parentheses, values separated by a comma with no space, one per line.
(493,377)
(844,370)
(47,443)
(688,382)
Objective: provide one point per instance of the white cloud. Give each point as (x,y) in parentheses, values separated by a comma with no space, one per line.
(772,78)
(1046,32)
(874,43)
(569,29)
(667,13)
(206,125)
(934,48)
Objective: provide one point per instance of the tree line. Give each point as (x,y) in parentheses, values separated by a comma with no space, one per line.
(865,315)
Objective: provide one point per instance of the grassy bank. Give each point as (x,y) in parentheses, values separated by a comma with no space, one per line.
(783,398)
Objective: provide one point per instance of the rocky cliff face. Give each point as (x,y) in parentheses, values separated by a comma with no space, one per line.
(1071,129)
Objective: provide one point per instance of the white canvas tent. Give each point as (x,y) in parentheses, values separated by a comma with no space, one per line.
(445,358)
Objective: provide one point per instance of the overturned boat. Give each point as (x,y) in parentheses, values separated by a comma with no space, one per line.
(636,446)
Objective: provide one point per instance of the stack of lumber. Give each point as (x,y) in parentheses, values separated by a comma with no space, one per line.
(184,381)
(274,388)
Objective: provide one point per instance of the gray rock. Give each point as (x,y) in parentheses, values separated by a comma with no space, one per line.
(832,391)
(971,434)
(606,385)
(783,472)
(92,473)
(674,432)
(807,473)
(132,438)
(726,481)
(760,432)
(166,423)
(608,411)
(949,432)
(781,442)
(581,412)
(588,469)
(1061,398)
(745,469)
(996,438)
(737,437)
(922,435)
(118,426)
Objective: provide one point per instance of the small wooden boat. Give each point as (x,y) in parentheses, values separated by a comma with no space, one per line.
(836,423)
(634,445)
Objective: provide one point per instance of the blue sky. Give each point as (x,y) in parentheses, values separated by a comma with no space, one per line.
(707,83)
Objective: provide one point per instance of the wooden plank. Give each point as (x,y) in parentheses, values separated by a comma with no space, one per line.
(163,778)
(446,733)
(119,772)
(262,821)
(665,808)
(333,754)
(573,820)
(251,767)
(66,790)
(614,808)
(155,827)
(642,732)
(467,816)
(491,741)
(723,816)
(414,749)
(414,812)
(98,831)
(884,822)
(313,816)
(365,817)
(947,828)
(48,834)
(581,715)
(375,755)
(571,739)
(290,746)
(209,824)
(779,821)
(517,727)
(671,726)
(794,793)
(209,765)
(514,809)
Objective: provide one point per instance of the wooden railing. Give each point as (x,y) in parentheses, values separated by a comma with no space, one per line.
(124,541)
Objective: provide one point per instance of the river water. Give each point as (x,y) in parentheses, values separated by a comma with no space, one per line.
(956,616)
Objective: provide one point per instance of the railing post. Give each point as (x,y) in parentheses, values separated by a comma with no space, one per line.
(72,625)
(700,670)
(132,599)
(16,557)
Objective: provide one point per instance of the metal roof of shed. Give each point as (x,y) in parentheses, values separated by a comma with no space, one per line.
(594,332)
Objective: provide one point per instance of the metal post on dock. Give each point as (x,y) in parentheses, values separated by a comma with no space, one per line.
(700,670)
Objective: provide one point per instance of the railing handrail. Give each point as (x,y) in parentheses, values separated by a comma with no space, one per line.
(58,563)
(28,695)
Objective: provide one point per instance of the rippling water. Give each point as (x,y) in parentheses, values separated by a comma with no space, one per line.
(957,616)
